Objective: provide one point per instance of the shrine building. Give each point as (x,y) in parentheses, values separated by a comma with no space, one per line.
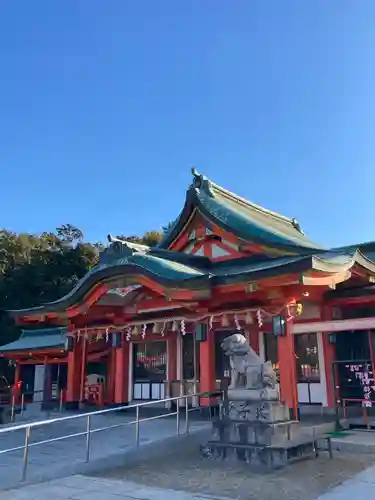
(147,323)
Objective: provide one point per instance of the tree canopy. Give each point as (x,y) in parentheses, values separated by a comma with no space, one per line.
(35,269)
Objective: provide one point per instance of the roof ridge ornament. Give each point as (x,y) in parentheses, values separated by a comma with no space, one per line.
(121,248)
(297,225)
(201,182)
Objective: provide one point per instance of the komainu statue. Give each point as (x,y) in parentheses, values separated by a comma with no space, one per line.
(247,369)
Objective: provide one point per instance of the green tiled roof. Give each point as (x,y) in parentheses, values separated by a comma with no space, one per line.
(247,220)
(37,339)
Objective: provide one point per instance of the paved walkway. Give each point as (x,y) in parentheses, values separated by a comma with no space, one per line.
(84,488)
(53,460)
(360,486)
(87,488)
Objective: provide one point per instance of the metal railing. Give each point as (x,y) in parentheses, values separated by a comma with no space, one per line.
(89,431)
(19,401)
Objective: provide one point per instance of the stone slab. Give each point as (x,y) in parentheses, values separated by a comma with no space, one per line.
(84,488)
(361,486)
(110,448)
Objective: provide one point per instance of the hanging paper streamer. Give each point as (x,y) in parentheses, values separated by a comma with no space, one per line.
(259,318)
(174,326)
(78,335)
(211,323)
(236,322)
(143,330)
(224,320)
(162,331)
(248,318)
(183,327)
(128,334)
(106,334)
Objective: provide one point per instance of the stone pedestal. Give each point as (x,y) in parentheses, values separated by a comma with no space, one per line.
(257,429)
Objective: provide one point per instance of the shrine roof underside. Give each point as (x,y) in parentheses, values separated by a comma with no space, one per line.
(285,250)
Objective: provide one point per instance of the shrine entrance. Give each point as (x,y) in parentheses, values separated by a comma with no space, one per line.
(149,370)
(353,377)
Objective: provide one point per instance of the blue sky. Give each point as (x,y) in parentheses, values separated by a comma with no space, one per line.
(106,105)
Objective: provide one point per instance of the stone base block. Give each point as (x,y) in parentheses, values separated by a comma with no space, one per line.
(264,411)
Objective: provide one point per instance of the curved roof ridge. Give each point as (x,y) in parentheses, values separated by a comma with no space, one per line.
(212,186)
(244,201)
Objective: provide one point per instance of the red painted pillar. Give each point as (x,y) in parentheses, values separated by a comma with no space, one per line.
(329,357)
(288,371)
(207,366)
(111,376)
(122,372)
(74,374)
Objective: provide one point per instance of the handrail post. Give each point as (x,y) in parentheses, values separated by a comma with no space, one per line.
(12,414)
(26,453)
(61,400)
(186,415)
(178,416)
(137,427)
(88,438)
(22,403)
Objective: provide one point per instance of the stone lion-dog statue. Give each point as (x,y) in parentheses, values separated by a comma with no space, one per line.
(247,369)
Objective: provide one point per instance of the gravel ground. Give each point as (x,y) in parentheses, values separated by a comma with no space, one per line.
(186,470)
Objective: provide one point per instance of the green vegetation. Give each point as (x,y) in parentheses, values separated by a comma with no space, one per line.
(41,268)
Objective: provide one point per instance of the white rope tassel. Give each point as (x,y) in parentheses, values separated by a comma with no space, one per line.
(143,331)
(236,322)
(183,327)
(162,331)
(259,318)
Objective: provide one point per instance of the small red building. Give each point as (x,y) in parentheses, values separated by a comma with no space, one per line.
(148,322)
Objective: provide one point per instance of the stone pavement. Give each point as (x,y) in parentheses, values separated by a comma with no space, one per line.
(360,486)
(66,457)
(84,488)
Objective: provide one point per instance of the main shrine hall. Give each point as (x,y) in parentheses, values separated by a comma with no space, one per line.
(147,323)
